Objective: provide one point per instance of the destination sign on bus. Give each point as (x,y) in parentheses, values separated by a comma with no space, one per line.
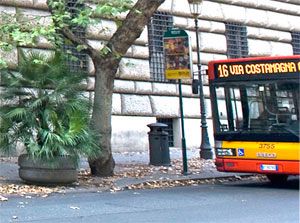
(261,69)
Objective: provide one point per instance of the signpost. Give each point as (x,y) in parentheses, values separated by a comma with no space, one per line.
(178,66)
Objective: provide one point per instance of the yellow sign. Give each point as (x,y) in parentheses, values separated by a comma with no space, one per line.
(178,74)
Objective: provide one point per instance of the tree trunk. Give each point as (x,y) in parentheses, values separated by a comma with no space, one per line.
(106,66)
(101,116)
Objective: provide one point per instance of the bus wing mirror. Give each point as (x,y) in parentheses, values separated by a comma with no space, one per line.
(195,86)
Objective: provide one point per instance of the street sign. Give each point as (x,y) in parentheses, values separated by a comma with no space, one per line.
(177,54)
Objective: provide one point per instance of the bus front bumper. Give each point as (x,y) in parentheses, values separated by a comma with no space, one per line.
(257,166)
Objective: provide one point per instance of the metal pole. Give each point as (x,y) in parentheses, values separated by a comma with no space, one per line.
(205,147)
(183,143)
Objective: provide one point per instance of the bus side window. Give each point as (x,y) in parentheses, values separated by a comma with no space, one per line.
(222,122)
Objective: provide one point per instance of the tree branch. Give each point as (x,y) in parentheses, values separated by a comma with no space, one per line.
(132,26)
(67,33)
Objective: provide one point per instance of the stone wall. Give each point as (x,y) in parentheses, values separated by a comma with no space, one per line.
(137,100)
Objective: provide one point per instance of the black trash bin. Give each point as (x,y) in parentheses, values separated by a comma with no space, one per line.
(159,145)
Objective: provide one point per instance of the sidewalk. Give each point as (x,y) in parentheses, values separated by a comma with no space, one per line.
(132,171)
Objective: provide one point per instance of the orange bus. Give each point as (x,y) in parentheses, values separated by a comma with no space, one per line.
(255,109)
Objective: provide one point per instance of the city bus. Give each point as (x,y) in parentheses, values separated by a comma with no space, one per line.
(255,110)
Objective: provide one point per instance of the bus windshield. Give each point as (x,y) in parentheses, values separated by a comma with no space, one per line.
(257,108)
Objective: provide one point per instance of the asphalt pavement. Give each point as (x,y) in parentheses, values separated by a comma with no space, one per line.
(234,202)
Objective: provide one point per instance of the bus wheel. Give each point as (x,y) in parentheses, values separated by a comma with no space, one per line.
(277,178)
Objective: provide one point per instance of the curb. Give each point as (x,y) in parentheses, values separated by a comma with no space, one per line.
(183,181)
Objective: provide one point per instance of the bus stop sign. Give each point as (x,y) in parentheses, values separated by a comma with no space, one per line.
(177,54)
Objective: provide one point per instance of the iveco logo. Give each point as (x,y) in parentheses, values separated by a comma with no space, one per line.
(266,155)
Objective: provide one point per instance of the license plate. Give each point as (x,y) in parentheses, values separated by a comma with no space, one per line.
(268,167)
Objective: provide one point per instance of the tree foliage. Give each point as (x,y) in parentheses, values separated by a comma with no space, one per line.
(22,30)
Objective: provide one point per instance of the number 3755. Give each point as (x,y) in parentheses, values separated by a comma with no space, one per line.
(266,146)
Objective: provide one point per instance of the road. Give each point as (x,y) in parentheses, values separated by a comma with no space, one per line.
(231,202)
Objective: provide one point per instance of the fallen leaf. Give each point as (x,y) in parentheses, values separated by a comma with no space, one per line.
(3,198)
(74,207)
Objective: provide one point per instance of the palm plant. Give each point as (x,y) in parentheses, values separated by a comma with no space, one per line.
(44,108)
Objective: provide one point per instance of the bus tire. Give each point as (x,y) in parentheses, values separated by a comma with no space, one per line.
(277,179)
